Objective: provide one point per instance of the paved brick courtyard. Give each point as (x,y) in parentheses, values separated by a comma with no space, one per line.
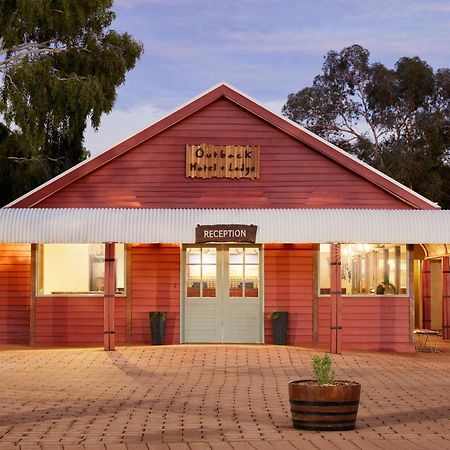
(220,397)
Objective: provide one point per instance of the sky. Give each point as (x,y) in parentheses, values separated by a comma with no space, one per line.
(266,48)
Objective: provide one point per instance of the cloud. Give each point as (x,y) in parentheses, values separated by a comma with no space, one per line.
(120,125)
(390,41)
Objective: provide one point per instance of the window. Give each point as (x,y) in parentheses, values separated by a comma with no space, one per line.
(367,269)
(201,272)
(244,272)
(76,269)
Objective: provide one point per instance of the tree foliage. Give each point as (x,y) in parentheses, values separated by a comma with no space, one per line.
(61,64)
(397,120)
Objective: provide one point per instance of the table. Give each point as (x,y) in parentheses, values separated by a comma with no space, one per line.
(424,341)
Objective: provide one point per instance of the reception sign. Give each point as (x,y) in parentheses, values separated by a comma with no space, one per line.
(225,233)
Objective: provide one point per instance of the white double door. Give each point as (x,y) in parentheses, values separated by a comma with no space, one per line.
(222,295)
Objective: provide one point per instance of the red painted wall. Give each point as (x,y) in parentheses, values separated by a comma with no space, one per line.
(324,321)
(155,287)
(72,321)
(288,272)
(15,294)
(369,323)
(152,175)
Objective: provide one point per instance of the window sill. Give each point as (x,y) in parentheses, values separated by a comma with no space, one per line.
(78,294)
(366,295)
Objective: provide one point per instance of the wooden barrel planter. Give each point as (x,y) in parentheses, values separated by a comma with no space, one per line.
(328,407)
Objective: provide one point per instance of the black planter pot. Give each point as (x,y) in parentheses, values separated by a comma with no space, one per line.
(158,327)
(279,327)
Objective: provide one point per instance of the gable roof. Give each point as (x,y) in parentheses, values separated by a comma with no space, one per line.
(298,132)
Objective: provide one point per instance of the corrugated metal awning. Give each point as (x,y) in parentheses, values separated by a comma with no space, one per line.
(32,225)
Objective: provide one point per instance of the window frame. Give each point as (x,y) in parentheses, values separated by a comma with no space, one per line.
(38,265)
(200,264)
(220,292)
(367,295)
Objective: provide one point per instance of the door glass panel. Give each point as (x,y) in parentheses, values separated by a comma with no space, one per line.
(208,256)
(244,272)
(252,256)
(193,255)
(251,280)
(209,277)
(236,280)
(193,280)
(251,272)
(201,272)
(236,255)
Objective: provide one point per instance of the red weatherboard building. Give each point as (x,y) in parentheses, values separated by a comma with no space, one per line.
(222,151)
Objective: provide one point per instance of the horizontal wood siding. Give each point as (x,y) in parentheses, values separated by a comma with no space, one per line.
(324,321)
(369,323)
(152,175)
(156,287)
(72,321)
(288,273)
(376,323)
(15,279)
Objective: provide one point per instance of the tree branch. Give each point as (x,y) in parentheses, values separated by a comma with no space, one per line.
(360,92)
(40,159)
(349,128)
(18,53)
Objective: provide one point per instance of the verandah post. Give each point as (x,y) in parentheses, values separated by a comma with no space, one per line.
(426,295)
(33,295)
(336,299)
(109,293)
(446,297)
(411,291)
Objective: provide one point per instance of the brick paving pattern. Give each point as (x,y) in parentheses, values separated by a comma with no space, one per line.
(231,397)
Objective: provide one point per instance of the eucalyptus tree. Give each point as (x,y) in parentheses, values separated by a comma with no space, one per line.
(60,66)
(397,119)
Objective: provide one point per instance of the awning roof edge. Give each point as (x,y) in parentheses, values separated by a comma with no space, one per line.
(143,225)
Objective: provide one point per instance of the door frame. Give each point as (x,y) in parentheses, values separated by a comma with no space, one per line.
(220,289)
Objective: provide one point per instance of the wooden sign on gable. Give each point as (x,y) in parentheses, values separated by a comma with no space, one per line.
(222,161)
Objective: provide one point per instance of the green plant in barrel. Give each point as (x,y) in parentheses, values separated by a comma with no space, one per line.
(322,369)
(324,403)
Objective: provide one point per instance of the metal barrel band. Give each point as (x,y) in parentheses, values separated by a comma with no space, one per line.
(324,413)
(314,427)
(307,403)
(325,422)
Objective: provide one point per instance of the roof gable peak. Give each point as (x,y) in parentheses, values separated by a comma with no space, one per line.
(224,89)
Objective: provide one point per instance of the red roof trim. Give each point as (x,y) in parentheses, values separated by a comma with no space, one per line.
(34,197)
